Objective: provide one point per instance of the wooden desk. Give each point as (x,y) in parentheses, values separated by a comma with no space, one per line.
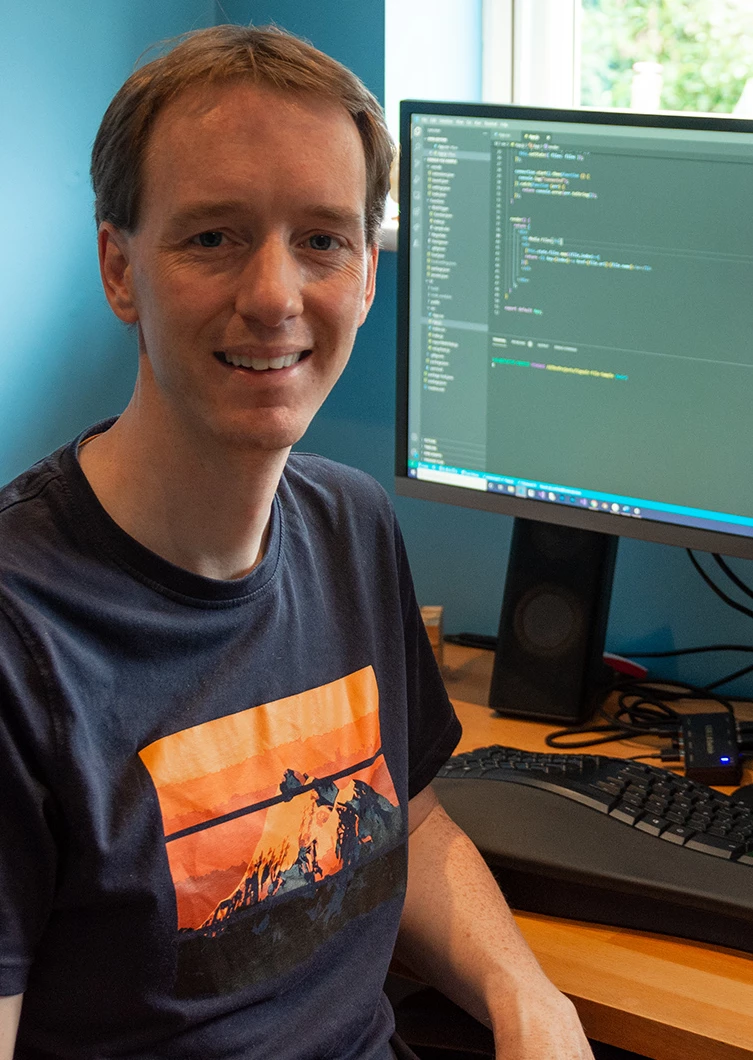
(664,998)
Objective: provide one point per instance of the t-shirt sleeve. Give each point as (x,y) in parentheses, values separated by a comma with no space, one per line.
(433,727)
(28,854)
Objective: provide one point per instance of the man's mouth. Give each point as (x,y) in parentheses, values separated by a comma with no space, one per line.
(261,364)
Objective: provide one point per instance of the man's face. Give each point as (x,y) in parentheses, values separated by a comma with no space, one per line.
(249,273)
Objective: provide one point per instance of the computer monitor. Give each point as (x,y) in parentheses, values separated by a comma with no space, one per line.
(575,343)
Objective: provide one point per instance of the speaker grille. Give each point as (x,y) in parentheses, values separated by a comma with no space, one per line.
(548,620)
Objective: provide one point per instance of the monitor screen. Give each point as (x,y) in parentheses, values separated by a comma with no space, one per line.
(576,319)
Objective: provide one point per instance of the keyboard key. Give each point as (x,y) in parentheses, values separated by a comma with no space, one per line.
(657,806)
(638,787)
(678,834)
(598,800)
(716,845)
(612,787)
(651,824)
(636,769)
(589,795)
(723,816)
(627,813)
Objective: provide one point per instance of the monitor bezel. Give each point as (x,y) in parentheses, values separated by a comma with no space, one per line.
(668,533)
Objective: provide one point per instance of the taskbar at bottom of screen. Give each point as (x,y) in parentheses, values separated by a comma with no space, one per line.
(549,493)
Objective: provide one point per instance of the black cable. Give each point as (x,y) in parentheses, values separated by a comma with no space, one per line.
(552,739)
(678,690)
(745,648)
(691,651)
(724,566)
(715,588)
(645,705)
(687,651)
(730,677)
(472,640)
(661,721)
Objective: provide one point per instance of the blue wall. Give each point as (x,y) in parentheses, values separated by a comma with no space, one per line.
(64,361)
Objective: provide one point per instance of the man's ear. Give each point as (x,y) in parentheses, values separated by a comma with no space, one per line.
(115,270)
(370,288)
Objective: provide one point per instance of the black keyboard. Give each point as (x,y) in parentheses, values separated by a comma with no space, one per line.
(608,840)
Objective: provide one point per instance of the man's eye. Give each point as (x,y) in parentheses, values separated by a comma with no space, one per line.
(322,242)
(209,239)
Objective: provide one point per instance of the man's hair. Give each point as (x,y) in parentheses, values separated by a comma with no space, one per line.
(264,56)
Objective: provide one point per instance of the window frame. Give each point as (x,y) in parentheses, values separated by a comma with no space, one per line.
(531,52)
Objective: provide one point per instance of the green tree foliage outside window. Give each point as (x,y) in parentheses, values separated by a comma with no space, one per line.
(705,48)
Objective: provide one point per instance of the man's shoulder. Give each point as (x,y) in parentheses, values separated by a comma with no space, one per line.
(32,534)
(42,512)
(309,473)
(21,492)
(30,494)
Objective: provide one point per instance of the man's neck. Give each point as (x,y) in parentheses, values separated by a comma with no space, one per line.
(197,505)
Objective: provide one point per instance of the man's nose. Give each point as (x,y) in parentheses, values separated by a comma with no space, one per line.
(270,286)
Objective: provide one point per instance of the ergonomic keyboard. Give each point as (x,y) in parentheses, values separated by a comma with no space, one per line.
(608,840)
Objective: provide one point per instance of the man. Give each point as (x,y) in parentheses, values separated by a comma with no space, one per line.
(220,714)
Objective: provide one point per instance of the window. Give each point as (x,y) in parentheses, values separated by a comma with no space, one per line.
(687,55)
(668,55)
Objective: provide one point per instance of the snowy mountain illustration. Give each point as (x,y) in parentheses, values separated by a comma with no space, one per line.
(315,830)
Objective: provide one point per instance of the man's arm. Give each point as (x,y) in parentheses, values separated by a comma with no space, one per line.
(10,1011)
(458,935)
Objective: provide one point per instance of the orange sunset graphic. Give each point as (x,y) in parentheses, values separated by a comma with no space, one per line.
(273,803)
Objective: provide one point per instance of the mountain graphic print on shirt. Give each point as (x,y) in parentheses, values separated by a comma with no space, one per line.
(281,825)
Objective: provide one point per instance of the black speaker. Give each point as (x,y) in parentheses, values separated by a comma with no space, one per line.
(548,663)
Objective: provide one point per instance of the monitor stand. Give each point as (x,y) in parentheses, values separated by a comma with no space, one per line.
(548,664)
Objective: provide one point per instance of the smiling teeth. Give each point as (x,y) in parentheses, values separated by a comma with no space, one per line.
(261,364)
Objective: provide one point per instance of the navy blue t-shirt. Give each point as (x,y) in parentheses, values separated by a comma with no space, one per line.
(205,783)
